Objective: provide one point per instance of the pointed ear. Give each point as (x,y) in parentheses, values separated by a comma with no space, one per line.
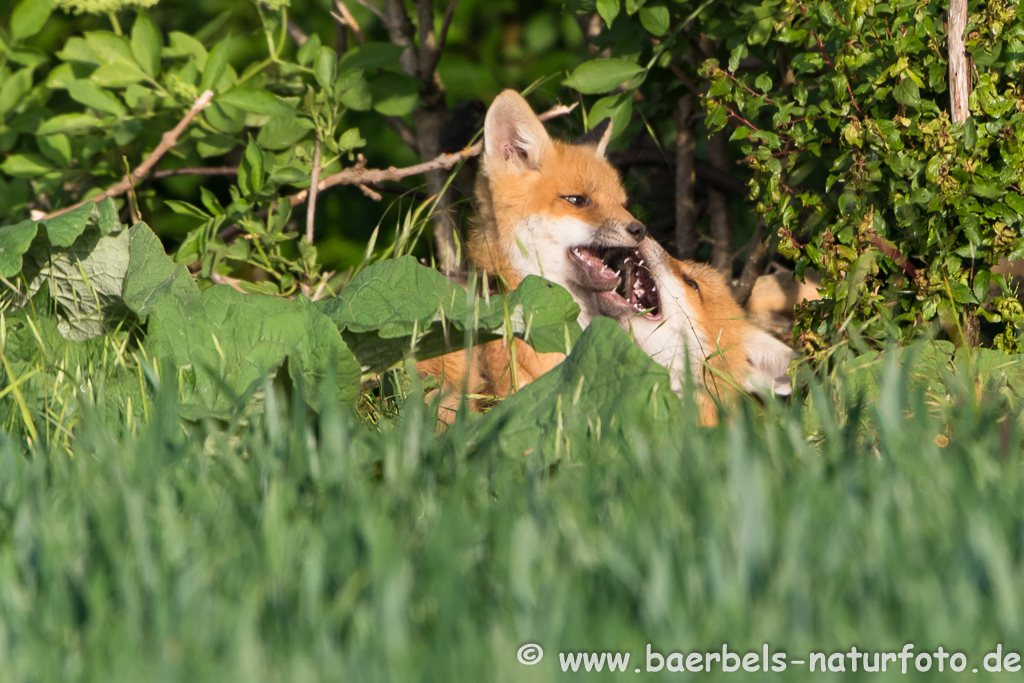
(598,137)
(514,138)
(767,361)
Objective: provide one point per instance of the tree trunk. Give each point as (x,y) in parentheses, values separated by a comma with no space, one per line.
(686,213)
(959,65)
(718,206)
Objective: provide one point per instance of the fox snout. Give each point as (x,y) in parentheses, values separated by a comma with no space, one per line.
(637,229)
(626,231)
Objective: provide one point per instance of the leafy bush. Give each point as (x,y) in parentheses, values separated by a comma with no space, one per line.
(860,169)
(842,111)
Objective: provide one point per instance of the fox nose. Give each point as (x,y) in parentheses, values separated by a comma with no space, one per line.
(637,230)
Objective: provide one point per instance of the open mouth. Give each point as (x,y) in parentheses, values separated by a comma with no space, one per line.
(622,278)
(593,263)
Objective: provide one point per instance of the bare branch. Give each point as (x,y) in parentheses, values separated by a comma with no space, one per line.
(427,40)
(360,175)
(203,171)
(446,24)
(345,18)
(169,140)
(370,192)
(313,189)
(397,124)
(757,259)
(218,279)
(297,34)
(432,47)
(401,32)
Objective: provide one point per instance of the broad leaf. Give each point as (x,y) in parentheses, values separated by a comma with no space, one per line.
(601,75)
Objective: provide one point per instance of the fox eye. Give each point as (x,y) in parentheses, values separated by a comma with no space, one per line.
(692,284)
(577,200)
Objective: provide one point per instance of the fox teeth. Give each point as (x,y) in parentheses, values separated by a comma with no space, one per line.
(618,273)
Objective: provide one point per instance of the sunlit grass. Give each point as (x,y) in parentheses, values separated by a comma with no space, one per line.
(295,545)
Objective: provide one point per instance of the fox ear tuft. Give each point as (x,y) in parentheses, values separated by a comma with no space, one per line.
(513,135)
(598,137)
(767,360)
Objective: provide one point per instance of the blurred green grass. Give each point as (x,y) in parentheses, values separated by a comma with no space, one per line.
(292,545)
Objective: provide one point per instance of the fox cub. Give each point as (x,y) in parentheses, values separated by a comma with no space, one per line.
(547,208)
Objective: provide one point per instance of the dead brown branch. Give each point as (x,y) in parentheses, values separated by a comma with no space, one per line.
(345,18)
(203,171)
(169,140)
(296,33)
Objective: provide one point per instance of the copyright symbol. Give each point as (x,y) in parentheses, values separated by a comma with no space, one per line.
(531,653)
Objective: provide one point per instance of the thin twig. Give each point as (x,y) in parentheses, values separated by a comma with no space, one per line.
(442,38)
(319,291)
(313,189)
(169,140)
(203,171)
(370,192)
(345,18)
(757,258)
(894,254)
(297,34)
(133,209)
(218,279)
(398,124)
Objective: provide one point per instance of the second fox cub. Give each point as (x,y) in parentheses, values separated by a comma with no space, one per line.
(685,317)
(547,208)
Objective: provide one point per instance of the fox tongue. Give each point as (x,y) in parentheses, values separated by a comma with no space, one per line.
(595,267)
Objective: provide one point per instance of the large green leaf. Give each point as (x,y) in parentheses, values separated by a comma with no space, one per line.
(394,94)
(256,101)
(225,343)
(147,43)
(14,242)
(601,75)
(29,17)
(397,307)
(590,394)
(372,56)
(91,95)
(14,88)
(152,276)
(85,280)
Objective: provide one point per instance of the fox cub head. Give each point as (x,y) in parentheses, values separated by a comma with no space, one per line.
(550,208)
(685,317)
